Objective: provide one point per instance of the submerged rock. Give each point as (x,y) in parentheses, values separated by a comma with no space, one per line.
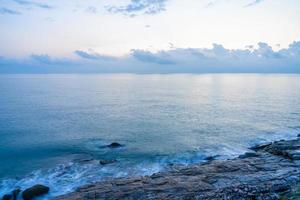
(35,191)
(114,145)
(106,162)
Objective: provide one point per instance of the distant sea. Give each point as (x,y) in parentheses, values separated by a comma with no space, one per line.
(53,127)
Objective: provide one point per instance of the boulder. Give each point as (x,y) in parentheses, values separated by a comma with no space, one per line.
(16,193)
(7,197)
(13,196)
(35,191)
(106,162)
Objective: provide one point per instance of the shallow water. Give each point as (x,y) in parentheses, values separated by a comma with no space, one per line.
(49,123)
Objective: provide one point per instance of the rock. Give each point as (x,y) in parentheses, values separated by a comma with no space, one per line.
(248,155)
(292,154)
(106,162)
(13,196)
(16,193)
(261,146)
(211,158)
(35,191)
(114,145)
(7,197)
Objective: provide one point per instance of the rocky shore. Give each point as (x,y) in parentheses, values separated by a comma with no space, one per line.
(267,171)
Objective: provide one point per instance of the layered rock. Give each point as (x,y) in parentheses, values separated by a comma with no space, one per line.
(265,173)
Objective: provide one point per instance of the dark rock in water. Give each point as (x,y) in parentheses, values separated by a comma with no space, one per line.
(16,193)
(13,196)
(261,146)
(249,155)
(7,197)
(106,162)
(114,145)
(35,191)
(211,158)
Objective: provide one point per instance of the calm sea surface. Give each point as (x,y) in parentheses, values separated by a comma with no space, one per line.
(50,125)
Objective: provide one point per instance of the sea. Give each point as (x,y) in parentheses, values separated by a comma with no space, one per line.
(54,128)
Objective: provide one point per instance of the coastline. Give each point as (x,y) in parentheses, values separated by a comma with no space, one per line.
(267,172)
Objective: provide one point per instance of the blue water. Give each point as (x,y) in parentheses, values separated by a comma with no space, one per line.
(49,124)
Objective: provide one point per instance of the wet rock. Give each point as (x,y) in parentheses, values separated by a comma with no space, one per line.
(106,162)
(13,196)
(211,158)
(248,155)
(114,145)
(16,193)
(261,146)
(292,154)
(35,191)
(7,197)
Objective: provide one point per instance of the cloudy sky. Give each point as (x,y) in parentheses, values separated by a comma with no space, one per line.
(149,36)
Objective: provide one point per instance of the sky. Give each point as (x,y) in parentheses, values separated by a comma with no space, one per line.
(149,36)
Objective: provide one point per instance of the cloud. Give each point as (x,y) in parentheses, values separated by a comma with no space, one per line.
(135,7)
(91,9)
(260,58)
(266,51)
(253,3)
(93,56)
(161,58)
(32,3)
(9,11)
(211,3)
(46,59)
(292,52)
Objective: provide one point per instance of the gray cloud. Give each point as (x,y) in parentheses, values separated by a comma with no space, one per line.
(136,7)
(32,3)
(161,58)
(8,11)
(93,56)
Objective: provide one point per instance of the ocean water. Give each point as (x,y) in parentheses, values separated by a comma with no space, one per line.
(53,127)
